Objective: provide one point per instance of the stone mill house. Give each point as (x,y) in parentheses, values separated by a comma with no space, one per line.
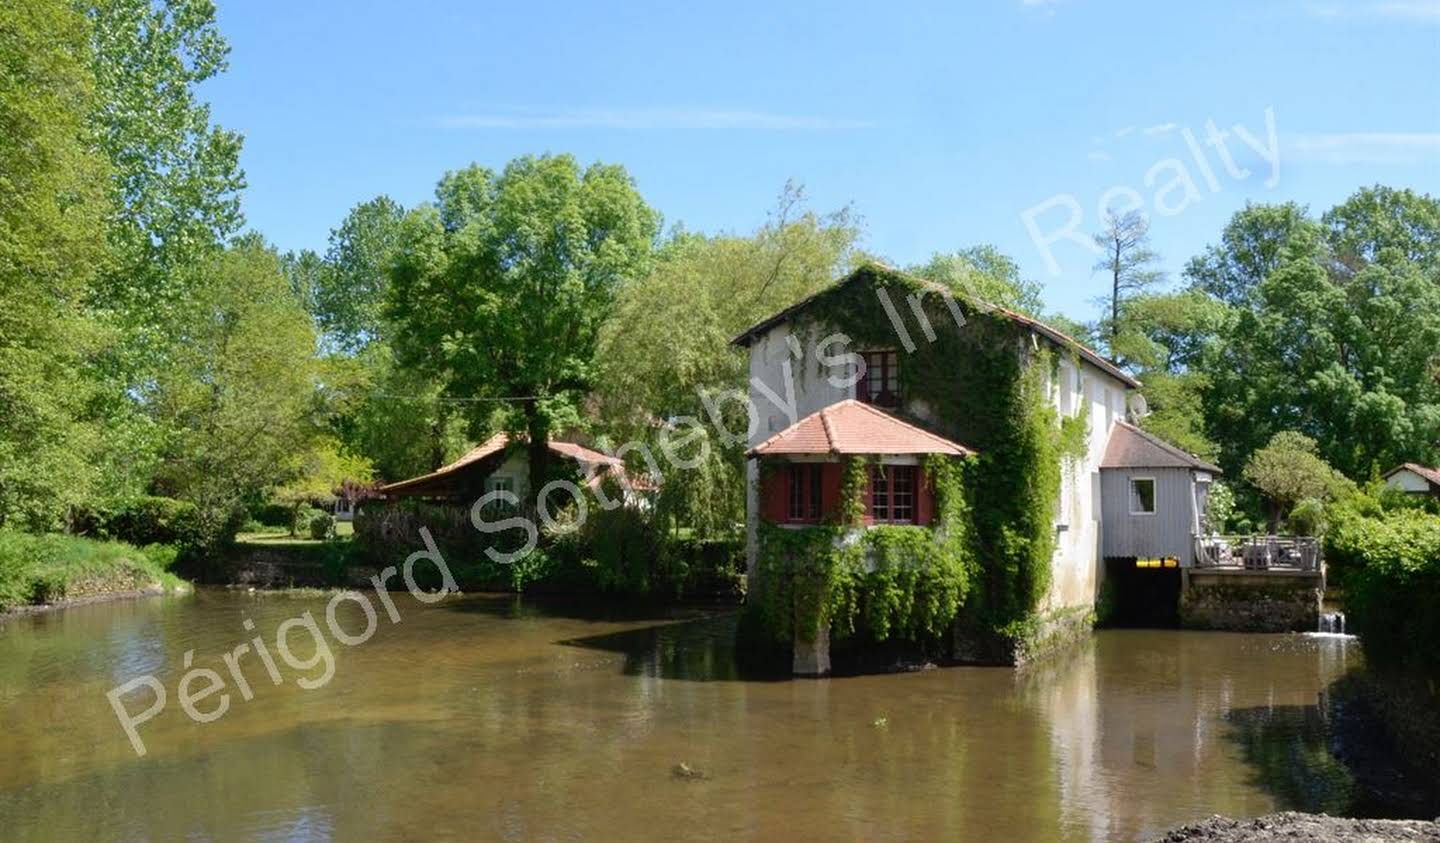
(1127,497)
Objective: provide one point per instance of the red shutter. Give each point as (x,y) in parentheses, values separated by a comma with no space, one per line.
(774,491)
(924,498)
(832,477)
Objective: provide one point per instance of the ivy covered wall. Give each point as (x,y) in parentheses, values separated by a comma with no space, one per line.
(890,581)
(984,382)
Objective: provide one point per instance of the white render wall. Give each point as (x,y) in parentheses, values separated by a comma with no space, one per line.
(1076,575)
(1075,578)
(1408,481)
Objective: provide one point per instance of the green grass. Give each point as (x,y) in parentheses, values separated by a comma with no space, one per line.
(37,569)
(282,537)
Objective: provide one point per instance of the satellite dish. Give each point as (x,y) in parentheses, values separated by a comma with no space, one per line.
(1138,406)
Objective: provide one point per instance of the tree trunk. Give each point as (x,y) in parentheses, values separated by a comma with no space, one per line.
(1115,305)
(538,429)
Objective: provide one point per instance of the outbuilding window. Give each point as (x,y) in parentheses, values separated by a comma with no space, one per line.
(1142,496)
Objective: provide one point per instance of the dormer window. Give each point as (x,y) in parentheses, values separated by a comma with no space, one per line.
(880,383)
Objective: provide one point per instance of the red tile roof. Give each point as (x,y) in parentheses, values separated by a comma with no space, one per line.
(1057,337)
(1430,475)
(494,445)
(853,427)
(1131,447)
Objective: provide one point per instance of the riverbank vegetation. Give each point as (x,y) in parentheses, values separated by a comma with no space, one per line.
(1387,561)
(45,569)
(159,360)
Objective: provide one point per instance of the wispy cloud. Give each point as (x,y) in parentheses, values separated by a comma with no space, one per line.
(646,119)
(1421,11)
(1098,155)
(1161,129)
(1366,147)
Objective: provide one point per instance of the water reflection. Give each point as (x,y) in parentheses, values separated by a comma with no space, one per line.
(520,719)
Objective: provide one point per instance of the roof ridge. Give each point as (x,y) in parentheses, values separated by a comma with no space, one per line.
(825,425)
(1053,334)
(1429,474)
(1173,450)
(832,430)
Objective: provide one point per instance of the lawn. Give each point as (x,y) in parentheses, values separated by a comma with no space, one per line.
(280,537)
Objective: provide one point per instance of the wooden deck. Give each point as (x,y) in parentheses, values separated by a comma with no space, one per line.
(1258,553)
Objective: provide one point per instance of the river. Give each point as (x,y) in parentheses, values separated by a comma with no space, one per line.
(496,717)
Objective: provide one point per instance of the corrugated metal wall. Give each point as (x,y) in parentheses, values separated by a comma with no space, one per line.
(1165,533)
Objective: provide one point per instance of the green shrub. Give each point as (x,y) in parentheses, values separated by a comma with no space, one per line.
(302,519)
(322,525)
(46,568)
(156,520)
(1389,567)
(273,515)
(622,546)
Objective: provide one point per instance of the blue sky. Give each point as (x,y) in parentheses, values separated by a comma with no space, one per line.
(942,124)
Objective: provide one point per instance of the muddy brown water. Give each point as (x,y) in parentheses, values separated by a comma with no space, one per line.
(491,717)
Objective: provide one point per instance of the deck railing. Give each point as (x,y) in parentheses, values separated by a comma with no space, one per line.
(1258,553)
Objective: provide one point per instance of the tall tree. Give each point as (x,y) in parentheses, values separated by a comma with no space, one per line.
(176,176)
(1167,340)
(1130,264)
(499,289)
(1337,339)
(175,186)
(668,341)
(986,273)
(240,391)
(52,212)
(1254,243)
(350,291)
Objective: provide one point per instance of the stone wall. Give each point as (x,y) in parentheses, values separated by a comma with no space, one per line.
(1042,635)
(1251,601)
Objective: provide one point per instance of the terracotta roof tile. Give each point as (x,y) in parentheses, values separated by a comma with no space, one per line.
(1430,475)
(1131,447)
(853,427)
(498,443)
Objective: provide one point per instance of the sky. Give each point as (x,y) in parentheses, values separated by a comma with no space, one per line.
(943,125)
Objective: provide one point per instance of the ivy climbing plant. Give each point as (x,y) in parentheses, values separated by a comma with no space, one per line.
(889,581)
(982,380)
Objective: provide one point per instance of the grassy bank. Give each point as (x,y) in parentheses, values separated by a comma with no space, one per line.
(40,569)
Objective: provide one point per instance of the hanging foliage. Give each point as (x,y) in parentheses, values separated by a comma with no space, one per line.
(891,581)
(998,402)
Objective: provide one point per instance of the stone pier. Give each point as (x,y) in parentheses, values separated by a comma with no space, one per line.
(1251,600)
(811,658)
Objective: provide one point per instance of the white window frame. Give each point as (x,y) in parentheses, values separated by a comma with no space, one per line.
(1154,496)
(499,483)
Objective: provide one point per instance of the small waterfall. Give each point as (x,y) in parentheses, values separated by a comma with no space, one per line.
(1332,623)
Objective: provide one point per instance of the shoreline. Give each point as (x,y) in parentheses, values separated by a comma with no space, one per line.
(89,599)
(1292,825)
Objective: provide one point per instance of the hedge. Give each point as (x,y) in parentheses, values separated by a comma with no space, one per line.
(1389,568)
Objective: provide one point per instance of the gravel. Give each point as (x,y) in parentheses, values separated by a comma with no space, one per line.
(1292,827)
